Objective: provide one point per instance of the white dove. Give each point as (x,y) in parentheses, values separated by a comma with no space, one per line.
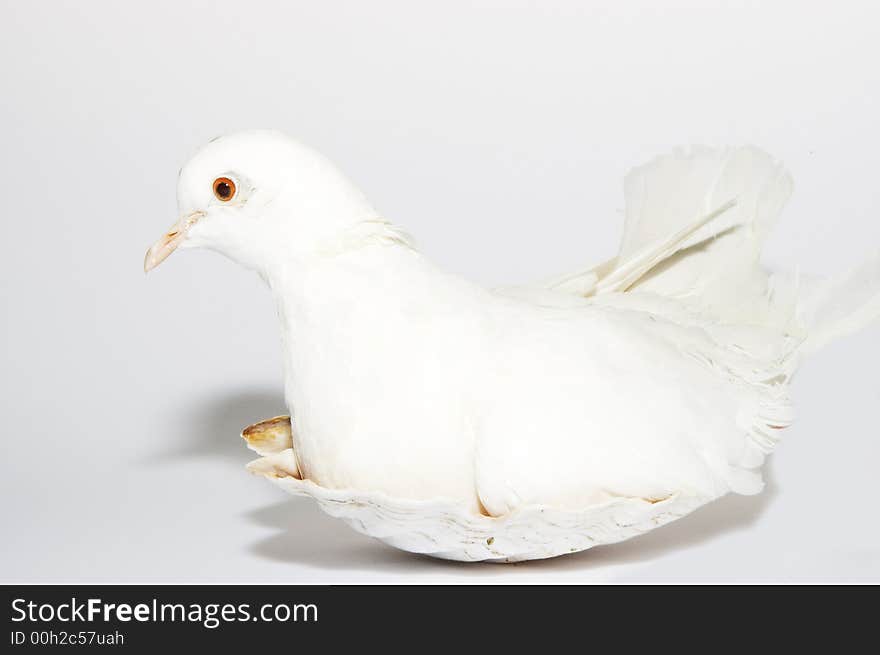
(510,424)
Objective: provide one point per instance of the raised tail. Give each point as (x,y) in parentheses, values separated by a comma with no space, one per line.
(738,193)
(723,274)
(696,223)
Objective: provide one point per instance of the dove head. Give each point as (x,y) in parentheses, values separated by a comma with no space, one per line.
(261,199)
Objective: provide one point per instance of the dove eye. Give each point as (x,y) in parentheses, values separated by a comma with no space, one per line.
(224,189)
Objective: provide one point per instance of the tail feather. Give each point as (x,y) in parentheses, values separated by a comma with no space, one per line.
(716,262)
(670,191)
(713,264)
(840,305)
(722,273)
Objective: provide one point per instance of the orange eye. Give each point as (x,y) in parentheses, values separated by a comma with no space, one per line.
(224,189)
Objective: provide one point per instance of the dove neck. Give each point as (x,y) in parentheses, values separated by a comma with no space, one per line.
(335,289)
(329,301)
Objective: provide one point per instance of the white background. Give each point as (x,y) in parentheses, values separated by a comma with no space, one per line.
(498,133)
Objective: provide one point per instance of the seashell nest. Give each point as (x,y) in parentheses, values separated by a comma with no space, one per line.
(450,530)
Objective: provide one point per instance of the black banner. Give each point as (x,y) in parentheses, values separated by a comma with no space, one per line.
(149,618)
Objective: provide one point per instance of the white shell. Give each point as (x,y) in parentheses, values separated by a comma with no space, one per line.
(449,530)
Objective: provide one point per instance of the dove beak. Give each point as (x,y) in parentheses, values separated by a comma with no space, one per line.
(160,250)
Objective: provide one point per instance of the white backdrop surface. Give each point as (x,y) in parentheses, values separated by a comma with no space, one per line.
(496,132)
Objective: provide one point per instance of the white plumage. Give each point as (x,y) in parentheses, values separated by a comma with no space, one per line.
(660,375)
